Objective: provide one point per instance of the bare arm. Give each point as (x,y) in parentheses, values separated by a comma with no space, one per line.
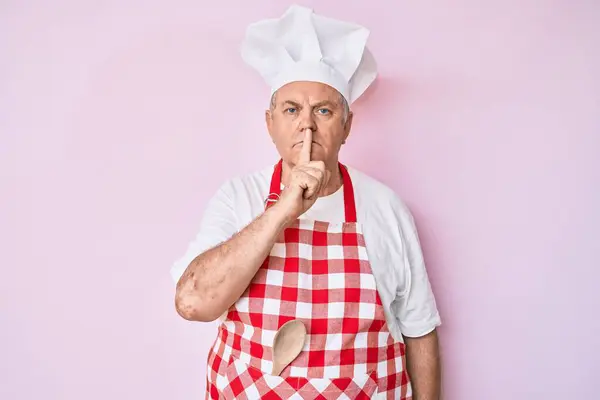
(215,279)
(423,359)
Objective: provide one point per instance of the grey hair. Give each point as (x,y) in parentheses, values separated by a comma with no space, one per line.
(342,101)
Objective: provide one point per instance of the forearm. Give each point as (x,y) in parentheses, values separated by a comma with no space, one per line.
(215,279)
(423,361)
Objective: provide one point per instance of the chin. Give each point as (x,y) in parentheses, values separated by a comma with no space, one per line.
(317,153)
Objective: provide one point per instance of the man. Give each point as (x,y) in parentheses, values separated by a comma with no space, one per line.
(309,239)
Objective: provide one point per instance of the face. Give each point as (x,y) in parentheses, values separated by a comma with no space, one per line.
(302,105)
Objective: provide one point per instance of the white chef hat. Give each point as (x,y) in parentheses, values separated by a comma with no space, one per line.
(304,46)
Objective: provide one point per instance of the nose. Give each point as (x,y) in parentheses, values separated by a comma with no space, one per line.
(306,120)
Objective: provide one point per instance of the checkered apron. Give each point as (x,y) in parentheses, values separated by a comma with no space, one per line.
(319,273)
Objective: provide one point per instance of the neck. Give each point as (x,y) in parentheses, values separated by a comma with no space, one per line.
(335,181)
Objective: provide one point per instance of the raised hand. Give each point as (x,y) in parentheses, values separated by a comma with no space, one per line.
(307,179)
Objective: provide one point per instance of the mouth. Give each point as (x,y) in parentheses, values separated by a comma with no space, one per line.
(301,142)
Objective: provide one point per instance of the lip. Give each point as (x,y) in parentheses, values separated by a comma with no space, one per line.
(301,142)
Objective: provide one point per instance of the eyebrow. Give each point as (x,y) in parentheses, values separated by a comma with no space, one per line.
(319,104)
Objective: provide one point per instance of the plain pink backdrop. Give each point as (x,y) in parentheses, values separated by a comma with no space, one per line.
(120,119)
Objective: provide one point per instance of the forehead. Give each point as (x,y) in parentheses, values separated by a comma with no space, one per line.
(312,92)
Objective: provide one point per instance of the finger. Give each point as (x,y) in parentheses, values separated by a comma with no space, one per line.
(306,147)
(319,171)
(310,185)
(320,165)
(318,174)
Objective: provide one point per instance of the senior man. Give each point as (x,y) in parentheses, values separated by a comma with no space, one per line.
(309,239)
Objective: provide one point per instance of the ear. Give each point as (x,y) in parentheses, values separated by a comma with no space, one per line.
(348,126)
(269,122)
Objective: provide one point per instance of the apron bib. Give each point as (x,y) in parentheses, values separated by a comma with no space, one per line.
(319,273)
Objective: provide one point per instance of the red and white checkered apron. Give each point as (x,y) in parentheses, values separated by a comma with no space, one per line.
(317,272)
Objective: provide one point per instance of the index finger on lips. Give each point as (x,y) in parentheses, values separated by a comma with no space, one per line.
(306,147)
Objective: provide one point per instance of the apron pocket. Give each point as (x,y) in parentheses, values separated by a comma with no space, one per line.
(254,384)
(357,387)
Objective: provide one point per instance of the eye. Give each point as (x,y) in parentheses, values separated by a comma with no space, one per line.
(290,110)
(324,111)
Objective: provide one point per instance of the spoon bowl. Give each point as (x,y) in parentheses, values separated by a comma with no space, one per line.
(287,344)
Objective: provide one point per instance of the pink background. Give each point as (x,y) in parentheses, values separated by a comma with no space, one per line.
(119,121)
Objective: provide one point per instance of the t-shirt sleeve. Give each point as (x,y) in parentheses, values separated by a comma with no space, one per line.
(218,224)
(415,306)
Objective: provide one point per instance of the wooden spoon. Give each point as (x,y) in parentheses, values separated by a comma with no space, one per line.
(287,344)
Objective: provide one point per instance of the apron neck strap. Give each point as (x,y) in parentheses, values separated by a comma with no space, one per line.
(349,202)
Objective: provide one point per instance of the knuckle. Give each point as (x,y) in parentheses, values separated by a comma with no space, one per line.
(299,174)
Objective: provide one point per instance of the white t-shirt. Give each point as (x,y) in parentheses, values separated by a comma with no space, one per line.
(390,235)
